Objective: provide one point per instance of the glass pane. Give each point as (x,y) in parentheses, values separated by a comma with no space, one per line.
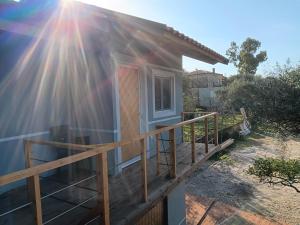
(167,93)
(158,100)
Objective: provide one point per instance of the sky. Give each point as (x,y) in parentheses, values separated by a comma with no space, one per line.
(216,23)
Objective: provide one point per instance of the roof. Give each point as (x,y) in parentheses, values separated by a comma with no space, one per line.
(204,72)
(169,36)
(196,44)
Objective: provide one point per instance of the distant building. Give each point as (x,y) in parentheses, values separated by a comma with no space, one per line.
(203,86)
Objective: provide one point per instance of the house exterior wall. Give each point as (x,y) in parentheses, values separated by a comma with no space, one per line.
(176,205)
(170,210)
(34,100)
(167,119)
(146,62)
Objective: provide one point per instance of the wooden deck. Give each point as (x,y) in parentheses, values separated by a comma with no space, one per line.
(76,196)
(70,198)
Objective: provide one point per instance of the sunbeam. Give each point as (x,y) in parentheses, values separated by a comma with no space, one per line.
(54,82)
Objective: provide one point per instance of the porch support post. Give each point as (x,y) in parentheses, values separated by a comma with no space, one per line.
(157,137)
(216,138)
(193,142)
(27,154)
(37,200)
(144,169)
(102,186)
(33,185)
(182,128)
(206,134)
(172,137)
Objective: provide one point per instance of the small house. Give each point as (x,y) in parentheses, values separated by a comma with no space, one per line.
(80,74)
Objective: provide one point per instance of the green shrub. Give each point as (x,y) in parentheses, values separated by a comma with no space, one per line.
(272,100)
(277,171)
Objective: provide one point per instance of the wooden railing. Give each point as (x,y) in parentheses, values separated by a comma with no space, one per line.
(32,172)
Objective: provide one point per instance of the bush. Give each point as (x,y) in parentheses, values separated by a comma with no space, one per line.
(268,100)
(277,171)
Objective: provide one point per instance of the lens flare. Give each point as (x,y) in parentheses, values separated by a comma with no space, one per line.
(53,78)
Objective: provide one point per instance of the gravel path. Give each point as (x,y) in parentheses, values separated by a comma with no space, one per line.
(227,181)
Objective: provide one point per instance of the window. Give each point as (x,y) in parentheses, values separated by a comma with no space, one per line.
(163,93)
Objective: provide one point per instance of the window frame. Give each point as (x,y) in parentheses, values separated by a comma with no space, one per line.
(163,74)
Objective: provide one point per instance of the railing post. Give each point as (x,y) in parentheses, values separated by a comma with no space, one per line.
(33,185)
(102,186)
(182,129)
(172,137)
(157,154)
(37,200)
(206,134)
(193,142)
(216,138)
(144,169)
(27,154)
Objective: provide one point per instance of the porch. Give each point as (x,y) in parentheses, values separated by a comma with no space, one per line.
(82,196)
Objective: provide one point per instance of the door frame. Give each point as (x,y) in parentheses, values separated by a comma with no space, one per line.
(128,61)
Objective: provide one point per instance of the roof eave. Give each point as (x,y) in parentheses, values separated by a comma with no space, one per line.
(190,45)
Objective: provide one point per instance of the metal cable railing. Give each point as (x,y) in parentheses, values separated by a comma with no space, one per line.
(33,172)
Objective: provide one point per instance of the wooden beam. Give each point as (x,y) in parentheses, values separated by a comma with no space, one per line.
(37,200)
(189,121)
(62,145)
(172,138)
(206,134)
(182,128)
(200,113)
(99,184)
(193,142)
(157,136)
(33,185)
(144,169)
(27,156)
(216,130)
(206,212)
(159,126)
(27,152)
(102,185)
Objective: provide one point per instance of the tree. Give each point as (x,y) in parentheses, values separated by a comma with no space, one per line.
(277,171)
(245,57)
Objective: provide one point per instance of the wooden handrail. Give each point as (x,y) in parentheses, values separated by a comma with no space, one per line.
(94,150)
(61,144)
(31,173)
(197,112)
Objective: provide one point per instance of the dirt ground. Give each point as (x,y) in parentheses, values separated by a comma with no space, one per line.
(228,182)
